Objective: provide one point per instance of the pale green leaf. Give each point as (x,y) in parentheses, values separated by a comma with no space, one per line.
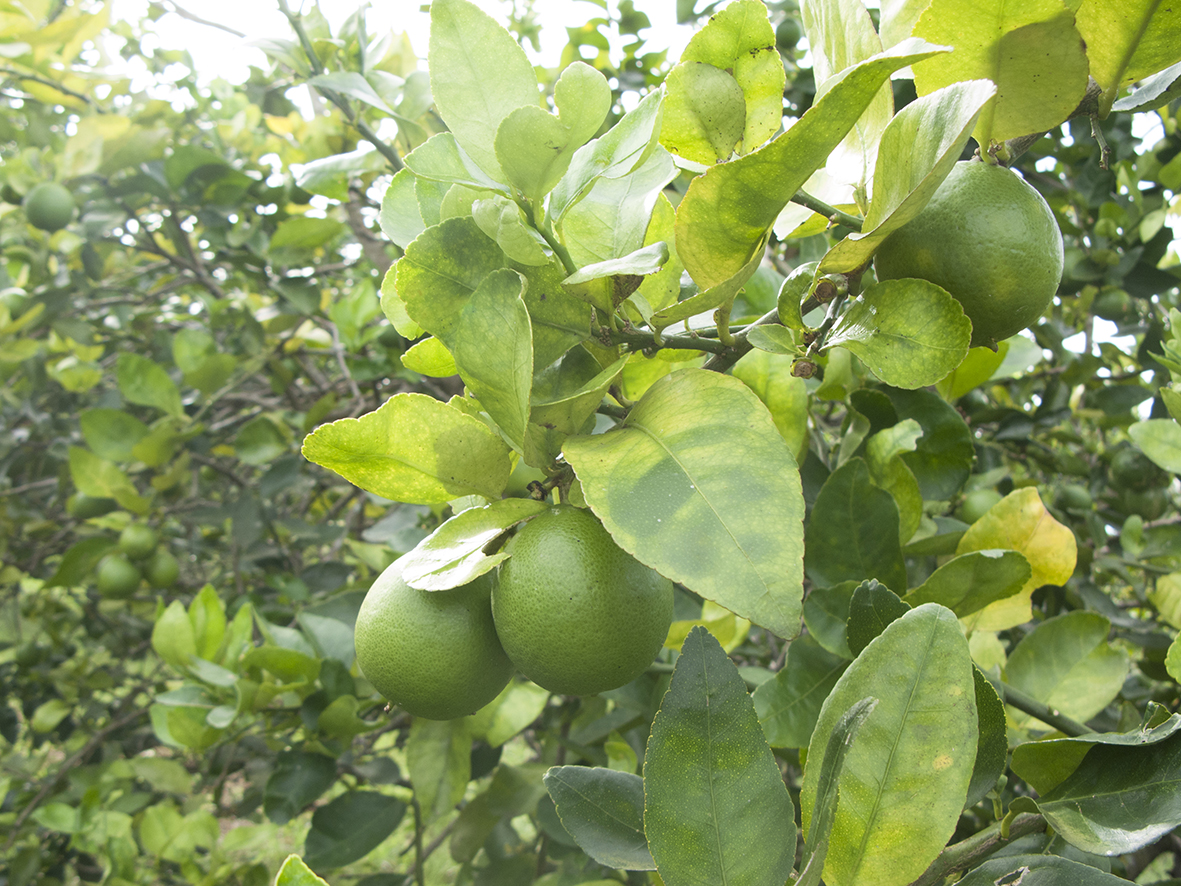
(353,85)
(1160,440)
(698,484)
(904,780)
(146,383)
(438,757)
(1127,40)
(440,158)
(413,449)
(704,113)
(430,357)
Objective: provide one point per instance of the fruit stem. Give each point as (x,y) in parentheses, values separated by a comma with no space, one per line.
(834,215)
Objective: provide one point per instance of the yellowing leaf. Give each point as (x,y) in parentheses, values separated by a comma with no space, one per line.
(1020,522)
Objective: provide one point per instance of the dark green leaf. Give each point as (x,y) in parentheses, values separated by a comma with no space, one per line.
(603,810)
(789,703)
(943,459)
(297,780)
(871,610)
(1037,870)
(716,809)
(969,582)
(992,745)
(350,827)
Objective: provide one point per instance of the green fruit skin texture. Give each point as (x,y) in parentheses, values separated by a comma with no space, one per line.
(117,577)
(576,613)
(161,569)
(986,222)
(138,541)
(49,206)
(433,653)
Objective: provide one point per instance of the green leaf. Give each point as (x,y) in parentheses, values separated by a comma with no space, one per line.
(645,260)
(111,433)
(943,457)
(1119,799)
(515,790)
(841,35)
(739,40)
(789,703)
(350,827)
(1031,51)
(1038,870)
(920,741)
(883,454)
(910,333)
(826,613)
(413,449)
(1153,92)
(873,608)
(698,484)
(784,395)
(330,176)
(438,757)
(704,113)
(722,294)
(145,383)
(1045,764)
(79,561)
(305,232)
(518,705)
(824,813)
(353,85)
(567,393)
(440,158)
(969,582)
(611,218)
(852,533)
(453,554)
(724,218)
(260,441)
(430,357)
(400,218)
(1127,41)
(918,149)
(535,148)
(440,271)
(99,478)
(716,809)
(978,367)
(604,812)
(479,75)
(297,780)
(1158,438)
(615,154)
(493,350)
(172,636)
(502,220)
(1020,522)
(992,744)
(295,873)
(1067,664)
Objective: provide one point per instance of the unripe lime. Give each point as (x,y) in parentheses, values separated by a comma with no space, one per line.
(1132,469)
(117,577)
(138,541)
(161,569)
(989,239)
(977,503)
(576,613)
(1073,497)
(788,33)
(1113,304)
(433,653)
(49,206)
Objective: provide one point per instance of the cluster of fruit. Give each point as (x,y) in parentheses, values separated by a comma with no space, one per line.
(139,557)
(569,609)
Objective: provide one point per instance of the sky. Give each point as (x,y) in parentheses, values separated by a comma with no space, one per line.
(219,54)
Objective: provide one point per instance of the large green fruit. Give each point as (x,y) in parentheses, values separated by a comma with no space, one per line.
(434,653)
(117,577)
(576,613)
(161,569)
(49,206)
(989,239)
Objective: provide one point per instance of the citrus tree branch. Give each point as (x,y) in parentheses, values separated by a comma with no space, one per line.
(834,215)
(967,853)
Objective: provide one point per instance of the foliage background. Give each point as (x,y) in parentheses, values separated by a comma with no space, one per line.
(216,298)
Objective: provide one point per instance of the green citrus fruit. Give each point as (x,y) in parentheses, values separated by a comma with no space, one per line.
(49,206)
(138,541)
(1073,497)
(989,239)
(434,653)
(117,577)
(976,504)
(161,569)
(1114,305)
(1131,469)
(1149,504)
(576,613)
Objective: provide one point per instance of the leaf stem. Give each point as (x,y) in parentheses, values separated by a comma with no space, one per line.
(1033,707)
(741,347)
(834,215)
(639,341)
(963,855)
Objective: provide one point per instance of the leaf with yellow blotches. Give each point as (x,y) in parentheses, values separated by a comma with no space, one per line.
(1020,522)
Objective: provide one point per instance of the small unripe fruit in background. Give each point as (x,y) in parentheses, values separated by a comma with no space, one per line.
(117,577)
(138,541)
(161,569)
(49,206)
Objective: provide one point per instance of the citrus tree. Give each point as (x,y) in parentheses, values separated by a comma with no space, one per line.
(754,320)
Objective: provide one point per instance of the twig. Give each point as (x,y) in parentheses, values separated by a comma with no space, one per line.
(184,13)
(963,855)
(834,215)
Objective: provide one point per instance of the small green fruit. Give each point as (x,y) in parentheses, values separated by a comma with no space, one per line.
(117,577)
(1073,497)
(161,569)
(1133,470)
(976,504)
(138,541)
(49,206)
